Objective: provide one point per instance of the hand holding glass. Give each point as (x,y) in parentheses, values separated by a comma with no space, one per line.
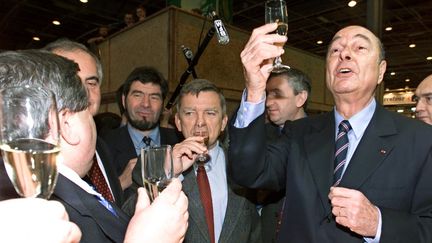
(30,139)
(276,12)
(158,169)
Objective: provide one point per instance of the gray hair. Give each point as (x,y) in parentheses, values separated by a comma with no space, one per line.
(67,45)
(196,86)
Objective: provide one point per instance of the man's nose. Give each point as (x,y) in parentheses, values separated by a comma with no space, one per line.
(345,54)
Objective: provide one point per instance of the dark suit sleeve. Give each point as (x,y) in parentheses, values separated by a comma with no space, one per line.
(254,163)
(416,225)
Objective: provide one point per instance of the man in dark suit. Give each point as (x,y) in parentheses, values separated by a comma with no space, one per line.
(287,93)
(85,206)
(370,183)
(222,212)
(90,73)
(99,220)
(144,91)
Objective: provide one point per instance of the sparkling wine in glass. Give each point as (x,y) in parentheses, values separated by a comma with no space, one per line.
(30,139)
(276,12)
(204,157)
(158,169)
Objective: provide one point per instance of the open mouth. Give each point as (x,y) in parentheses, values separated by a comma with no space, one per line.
(344,70)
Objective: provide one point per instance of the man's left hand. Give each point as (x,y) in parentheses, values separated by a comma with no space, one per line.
(354,211)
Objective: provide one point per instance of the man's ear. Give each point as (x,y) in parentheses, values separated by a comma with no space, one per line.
(224,122)
(301,98)
(177,122)
(67,122)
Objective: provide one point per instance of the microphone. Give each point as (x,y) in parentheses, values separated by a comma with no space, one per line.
(187,52)
(221,32)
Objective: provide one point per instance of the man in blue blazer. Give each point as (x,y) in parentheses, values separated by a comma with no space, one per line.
(381,191)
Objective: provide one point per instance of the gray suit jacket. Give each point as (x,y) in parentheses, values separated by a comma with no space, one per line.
(241,223)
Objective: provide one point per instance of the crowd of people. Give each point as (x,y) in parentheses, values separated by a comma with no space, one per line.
(358,173)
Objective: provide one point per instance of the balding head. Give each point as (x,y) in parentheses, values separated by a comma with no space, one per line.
(423,97)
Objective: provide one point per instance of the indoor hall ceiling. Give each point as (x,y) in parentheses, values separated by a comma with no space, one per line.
(309,21)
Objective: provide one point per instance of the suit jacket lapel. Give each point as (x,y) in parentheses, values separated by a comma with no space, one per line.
(371,151)
(87,205)
(319,146)
(233,214)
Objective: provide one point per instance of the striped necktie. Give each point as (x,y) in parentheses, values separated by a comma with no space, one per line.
(342,144)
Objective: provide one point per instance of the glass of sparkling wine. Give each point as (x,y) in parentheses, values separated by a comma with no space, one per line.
(30,139)
(158,169)
(276,12)
(204,157)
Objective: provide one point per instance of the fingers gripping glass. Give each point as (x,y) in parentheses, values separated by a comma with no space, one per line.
(276,12)
(30,139)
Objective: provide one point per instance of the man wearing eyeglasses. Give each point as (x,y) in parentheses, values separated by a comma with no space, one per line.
(423,99)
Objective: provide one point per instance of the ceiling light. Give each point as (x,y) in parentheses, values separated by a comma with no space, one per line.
(36,38)
(352,4)
(56,22)
(407,80)
(429,58)
(388,28)
(319,42)
(392,73)
(84,1)
(400,111)
(412,45)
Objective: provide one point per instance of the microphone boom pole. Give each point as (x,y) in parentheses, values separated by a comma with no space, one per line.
(190,69)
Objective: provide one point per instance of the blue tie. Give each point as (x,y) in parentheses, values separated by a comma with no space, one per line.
(342,144)
(106,204)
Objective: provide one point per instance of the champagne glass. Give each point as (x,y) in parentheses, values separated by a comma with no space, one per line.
(158,169)
(276,12)
(204,157)
(30,139)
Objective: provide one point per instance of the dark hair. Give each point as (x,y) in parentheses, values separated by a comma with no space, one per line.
(146,75)
(66,45)
(46,70)
(196,86)
(297,79)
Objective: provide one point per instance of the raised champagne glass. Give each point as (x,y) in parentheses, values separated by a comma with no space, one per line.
(30,139)
(276,12)
(158,169)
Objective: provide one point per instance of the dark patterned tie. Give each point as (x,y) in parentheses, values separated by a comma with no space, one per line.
(98,180)
(147,141)
(206,199)
(342,144)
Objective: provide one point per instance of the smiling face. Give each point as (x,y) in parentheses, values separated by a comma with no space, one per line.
(143,105)
(201,112)
(354,68)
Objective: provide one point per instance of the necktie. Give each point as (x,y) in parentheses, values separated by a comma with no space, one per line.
(147,141)
(98,180)
(106,204)
(342,144)
(206,199)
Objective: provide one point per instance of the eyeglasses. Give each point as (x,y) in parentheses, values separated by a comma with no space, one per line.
(426,97)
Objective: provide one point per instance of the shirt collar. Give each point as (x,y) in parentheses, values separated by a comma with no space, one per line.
(137,136)
(359,121)
(75,178)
